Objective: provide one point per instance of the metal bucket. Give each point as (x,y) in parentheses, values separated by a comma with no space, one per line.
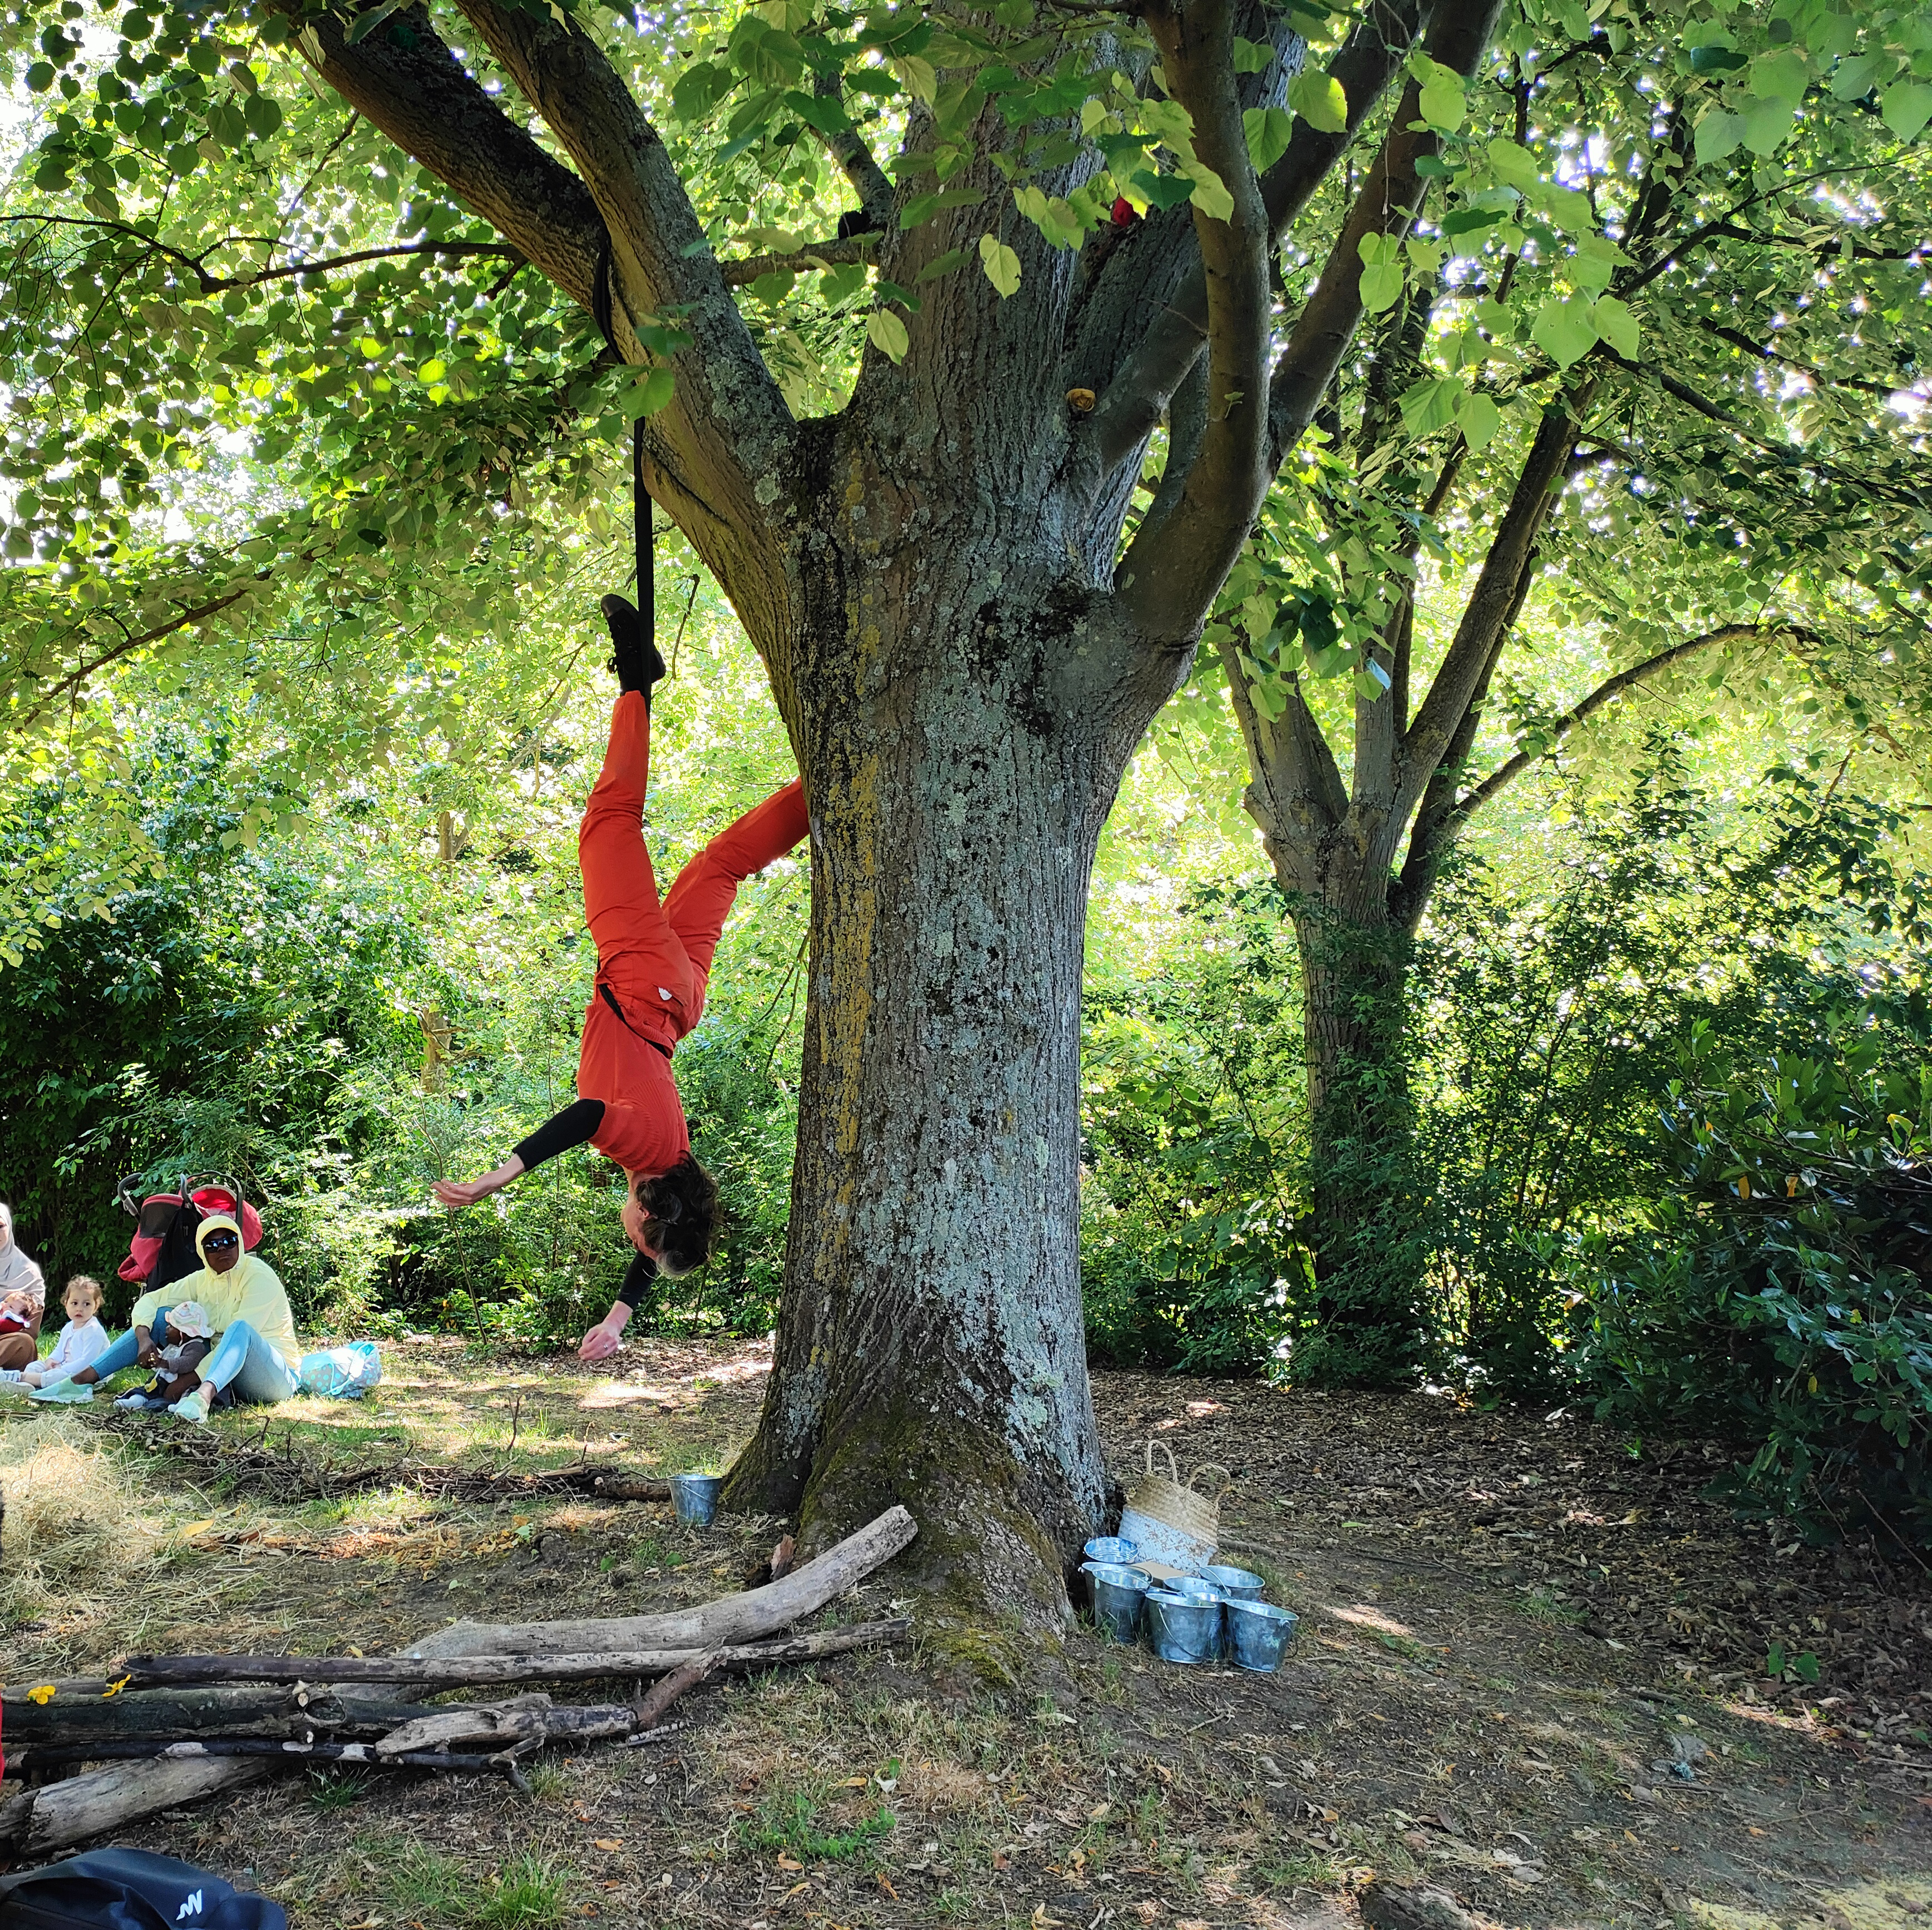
(1118,1592)
(1181,1629)
(695,1497)
(1235,1584)
(1258,1632)
(1115,1548)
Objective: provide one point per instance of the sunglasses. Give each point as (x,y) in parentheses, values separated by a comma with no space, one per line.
(217,1243)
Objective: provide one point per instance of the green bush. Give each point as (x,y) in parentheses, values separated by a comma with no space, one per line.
(1780,1292)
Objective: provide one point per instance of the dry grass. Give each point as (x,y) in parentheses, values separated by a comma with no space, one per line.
(79,1525)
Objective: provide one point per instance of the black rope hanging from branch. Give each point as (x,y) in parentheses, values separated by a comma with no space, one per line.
(601,309)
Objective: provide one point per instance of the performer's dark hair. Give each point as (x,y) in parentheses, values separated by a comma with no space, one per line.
(680,1216)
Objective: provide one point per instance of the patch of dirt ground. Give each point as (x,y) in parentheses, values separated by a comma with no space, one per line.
(1530,1685)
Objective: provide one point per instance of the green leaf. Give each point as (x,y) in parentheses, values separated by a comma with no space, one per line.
(1381,286)
(1855,78)
(1782,76)
(1564,330)
(1442,102)
(1479,421)
(1513,165)
(1320,100)
(1718,134)
(1252,56)
(1907,107)
(887,334)
(1616,324)
(1001,264)
(432,371)
(1267,129)
(1804,1666)
(1432,403)
(263,114)
(648,394)
(1774,1661)
(1767,125)
(953,258)
(1211,193)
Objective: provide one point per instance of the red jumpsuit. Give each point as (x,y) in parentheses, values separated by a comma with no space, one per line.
(653,960)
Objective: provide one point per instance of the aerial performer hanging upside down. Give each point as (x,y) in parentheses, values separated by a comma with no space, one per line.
(653,963)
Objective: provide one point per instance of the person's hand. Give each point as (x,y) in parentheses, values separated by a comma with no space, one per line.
(461,1192)
(147,1354)
(601,1342)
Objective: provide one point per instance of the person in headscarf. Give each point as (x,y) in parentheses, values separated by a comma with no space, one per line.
(257,1356)
(23,1299)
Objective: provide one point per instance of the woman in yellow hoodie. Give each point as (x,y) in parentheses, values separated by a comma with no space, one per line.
(257,1354)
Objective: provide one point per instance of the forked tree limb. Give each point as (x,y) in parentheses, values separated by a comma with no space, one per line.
(1139,392)
(403,80)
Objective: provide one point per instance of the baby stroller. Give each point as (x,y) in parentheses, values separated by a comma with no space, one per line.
(162,1250)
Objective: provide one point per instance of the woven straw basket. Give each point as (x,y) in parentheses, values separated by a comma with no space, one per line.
(1174,1523)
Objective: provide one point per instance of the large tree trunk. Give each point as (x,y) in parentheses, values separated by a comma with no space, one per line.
(1369,1250)
(931,1347)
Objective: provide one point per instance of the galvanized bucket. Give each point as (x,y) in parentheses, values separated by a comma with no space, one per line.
(1236,1584)
(1116,1548)
(1182,1630)
(1118,1592)
(1258,1633)
(695,1497)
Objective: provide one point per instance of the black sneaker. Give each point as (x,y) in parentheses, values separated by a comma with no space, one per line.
(634,657)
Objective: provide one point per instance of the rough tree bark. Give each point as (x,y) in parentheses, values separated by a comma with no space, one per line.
(964,660)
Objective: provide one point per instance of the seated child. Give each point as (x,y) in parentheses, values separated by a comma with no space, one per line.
(183,1339)
(83,1340)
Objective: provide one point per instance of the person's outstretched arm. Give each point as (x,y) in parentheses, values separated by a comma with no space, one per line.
(558,1134)
(604,1340)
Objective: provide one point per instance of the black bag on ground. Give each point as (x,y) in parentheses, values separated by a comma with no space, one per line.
(130,1889)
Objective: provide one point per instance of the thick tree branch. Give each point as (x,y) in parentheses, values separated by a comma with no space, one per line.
(404,80)
(1499,589)
(849,150)
(1458,34)
(1138,393)
(727,400)
(1179,556)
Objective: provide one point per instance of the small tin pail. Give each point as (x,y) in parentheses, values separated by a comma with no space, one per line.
(1115,1548)
(1236,1584)
(1117,1594)
(1258,1632)
(695,1497)
(1181,1629)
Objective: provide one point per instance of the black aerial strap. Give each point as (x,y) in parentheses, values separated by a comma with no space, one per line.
(601,308)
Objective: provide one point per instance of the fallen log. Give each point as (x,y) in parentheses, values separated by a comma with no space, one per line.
(79,1713)
(732,1619)
(220,1748)
(464,1671)
(62,1813)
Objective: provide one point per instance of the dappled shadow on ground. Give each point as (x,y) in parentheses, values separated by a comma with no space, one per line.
(1529,1688)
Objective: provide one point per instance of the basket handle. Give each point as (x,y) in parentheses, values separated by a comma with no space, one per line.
(1173,1472)
(1213,1467)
